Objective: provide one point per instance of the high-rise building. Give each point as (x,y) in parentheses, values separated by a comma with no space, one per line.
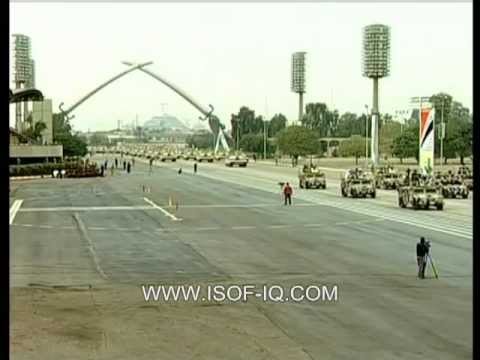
(23,73)
(23,63)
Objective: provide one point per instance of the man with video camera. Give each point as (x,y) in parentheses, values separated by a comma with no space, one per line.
(422,253)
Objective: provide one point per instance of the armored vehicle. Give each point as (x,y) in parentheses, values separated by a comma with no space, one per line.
(238,160)
(204,156)
(355,183)
(187,155)
(467,176)
(420,197)
(453,187)
(219,156)
(311,177)
(389,181)
(167,156)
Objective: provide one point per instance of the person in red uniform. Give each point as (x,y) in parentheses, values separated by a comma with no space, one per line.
(287,192)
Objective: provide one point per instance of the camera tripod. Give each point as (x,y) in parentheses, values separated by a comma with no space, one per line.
(429,259)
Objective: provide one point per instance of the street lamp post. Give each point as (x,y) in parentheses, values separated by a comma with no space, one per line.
(238,134)
(265,140)
(376,65)
(442,135)
(366,137)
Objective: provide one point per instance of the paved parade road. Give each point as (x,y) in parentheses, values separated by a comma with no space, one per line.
(82,248)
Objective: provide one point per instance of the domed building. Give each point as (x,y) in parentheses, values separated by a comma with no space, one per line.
(165,123)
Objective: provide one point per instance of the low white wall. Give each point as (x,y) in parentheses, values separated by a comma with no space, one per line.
(34,151)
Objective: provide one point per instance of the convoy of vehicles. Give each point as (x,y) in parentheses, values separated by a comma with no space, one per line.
(414,189)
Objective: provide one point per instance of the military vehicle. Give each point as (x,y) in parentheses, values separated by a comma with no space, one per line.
(452,186)
(389,181)
(188,155)
(238,160)
(467,177)
(311,177)
(386,178)
(356,183)
(420,197)
(204,156)
(219,156)
(167,156)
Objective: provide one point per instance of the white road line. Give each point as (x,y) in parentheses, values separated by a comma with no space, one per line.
(359,222)
(86,208)
(14,209)
(278,226)
(243,227)
(208,228)
(90,246)
(242,205)
(97,228)
(165,212)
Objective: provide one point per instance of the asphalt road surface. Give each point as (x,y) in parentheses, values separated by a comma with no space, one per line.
(81,249)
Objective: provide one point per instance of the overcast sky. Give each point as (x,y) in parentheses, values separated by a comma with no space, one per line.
(230,55)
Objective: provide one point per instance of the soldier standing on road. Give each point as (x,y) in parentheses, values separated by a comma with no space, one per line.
(422,252)
(195,167)
(133,161)
(124,165)
(112,168)
(116,163)
(151,166)
(102,169)
(128,167)
(287,193)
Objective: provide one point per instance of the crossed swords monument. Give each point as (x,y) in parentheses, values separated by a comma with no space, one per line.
(215,126)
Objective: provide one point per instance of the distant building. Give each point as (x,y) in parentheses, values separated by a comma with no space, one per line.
(167,123)
(23,73)
(42,111)
(23,65)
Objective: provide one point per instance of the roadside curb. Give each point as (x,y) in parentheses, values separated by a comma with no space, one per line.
(30,177)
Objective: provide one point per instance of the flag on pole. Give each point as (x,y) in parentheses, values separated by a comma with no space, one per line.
(426,141)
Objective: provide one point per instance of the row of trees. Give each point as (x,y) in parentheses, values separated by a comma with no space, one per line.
(395,139)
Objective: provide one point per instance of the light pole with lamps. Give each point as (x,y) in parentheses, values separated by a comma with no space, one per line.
(265,122)
(442,135)
(366,137)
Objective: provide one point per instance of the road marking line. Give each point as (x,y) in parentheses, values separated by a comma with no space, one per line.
(97,228)
(14,209)
(359,222)
(208,228)
(90,246)
(243,227)
(165,212)
(86,208)
(278,226)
